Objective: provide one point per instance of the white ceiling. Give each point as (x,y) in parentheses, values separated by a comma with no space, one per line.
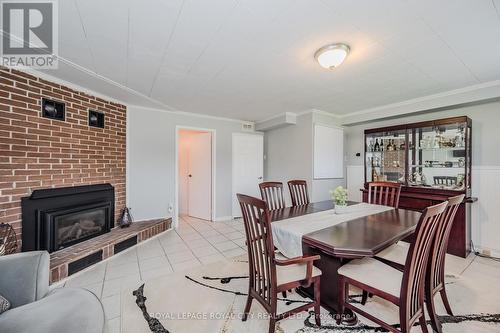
(252,59)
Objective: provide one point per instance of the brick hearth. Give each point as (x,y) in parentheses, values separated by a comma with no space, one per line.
(60,260)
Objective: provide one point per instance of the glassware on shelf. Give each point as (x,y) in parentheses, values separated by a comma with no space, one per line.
(389,145)
(402,179)
(427,143)
(437,142)
(459,138)
(417,178)
(460,178)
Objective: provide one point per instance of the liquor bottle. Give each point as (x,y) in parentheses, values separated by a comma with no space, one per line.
(388,147)
(377,146)
(370,145)
(381,144)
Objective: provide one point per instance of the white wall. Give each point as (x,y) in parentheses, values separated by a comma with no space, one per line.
(151,160)
(485,164)
(289,155)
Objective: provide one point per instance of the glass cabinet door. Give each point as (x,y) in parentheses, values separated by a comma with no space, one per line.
(385,156)
(437,156)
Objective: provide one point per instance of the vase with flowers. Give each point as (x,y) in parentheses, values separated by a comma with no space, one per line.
(339,197)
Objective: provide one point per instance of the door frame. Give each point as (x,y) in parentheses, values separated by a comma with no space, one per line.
(233,191)
(213,178)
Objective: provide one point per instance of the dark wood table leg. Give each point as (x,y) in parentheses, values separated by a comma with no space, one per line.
(329,284)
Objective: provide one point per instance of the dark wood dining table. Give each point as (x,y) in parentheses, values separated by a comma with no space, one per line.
(340,243)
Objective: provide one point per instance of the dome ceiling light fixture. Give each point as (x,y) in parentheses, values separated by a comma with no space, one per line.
(332,56)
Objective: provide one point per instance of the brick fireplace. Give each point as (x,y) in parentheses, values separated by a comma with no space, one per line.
(41,153)
(54,174)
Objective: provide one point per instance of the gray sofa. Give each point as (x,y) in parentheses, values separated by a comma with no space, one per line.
(24,281)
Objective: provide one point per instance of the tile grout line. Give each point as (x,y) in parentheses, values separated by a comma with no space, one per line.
(213,245)
(104,280)
(166,256)
(203,237)
(138,265)
(190,249)
(184,242)
(467,267)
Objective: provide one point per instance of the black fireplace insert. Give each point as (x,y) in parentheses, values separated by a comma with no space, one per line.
(53,219)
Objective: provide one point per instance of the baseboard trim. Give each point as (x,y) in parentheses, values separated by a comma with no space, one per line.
(488,252)
(223,218)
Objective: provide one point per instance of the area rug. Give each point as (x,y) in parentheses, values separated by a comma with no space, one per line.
(211,298)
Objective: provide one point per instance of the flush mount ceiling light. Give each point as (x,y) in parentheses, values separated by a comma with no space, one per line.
(332,55)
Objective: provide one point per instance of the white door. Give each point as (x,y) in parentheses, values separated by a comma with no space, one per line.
(248,166)
(200,176)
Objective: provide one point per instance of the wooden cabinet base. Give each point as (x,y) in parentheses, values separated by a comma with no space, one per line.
(419,198)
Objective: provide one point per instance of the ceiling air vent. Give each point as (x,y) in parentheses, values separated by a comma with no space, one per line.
(247,127)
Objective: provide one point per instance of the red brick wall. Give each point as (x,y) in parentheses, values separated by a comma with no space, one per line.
(37,152)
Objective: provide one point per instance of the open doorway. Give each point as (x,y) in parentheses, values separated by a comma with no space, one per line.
(195,176)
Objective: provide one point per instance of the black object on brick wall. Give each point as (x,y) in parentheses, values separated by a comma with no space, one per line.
(53,219)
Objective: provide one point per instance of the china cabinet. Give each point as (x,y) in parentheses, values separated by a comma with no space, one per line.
(432,160)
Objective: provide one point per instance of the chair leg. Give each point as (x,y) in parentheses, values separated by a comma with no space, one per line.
(272,324)
(431,309)
(342,299)
(317,302)
(423,324)
(444,297)
(283,293)
(364,298)
(247,307)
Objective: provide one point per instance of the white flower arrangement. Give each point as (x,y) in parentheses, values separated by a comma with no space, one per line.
(339,196)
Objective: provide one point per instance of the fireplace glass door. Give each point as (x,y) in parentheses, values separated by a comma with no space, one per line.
(71,226)
(80,225)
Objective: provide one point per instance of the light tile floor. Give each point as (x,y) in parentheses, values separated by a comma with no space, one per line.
(196,242)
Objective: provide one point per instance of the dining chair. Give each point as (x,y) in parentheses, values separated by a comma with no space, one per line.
(384,193)
(396,254)
(272,194)
(404,289)
(269,275)
(298,192)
